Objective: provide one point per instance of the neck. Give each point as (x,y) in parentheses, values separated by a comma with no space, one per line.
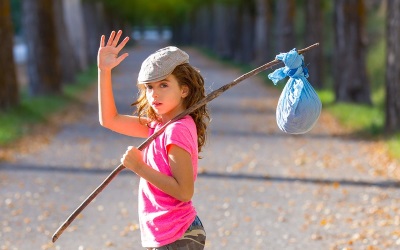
(170,115)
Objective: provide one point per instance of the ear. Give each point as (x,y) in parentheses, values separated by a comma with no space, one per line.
(185,91)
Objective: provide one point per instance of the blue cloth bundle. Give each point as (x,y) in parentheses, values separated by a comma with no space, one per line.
(299,106)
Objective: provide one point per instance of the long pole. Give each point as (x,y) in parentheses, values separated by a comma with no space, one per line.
(211,96)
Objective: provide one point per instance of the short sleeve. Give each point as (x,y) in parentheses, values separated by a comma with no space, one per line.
(181,135)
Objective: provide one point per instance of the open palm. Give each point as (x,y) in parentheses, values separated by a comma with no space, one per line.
(107,57)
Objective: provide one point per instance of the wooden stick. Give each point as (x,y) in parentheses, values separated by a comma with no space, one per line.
(211,96)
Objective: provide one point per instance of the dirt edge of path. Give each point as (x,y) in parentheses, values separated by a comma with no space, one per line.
(39,135)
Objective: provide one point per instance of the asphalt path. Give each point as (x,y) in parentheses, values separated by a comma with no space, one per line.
(258,188)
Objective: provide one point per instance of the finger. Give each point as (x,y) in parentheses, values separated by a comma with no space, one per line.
(102,41)
(122,44)
(117,37)
(110,40)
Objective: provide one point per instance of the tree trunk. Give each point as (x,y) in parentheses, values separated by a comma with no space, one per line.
(94,26)
(176,29)
(392,123)
(68,62)
(201,27)
(313,34)
(244,46)
(182,30)
(262,32)
(231,30)
(43,57)
(9,95)
(350,74)
(76,31)
(247,34)
(221,30)
(284,29)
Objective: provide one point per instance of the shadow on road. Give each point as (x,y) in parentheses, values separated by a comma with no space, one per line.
(343,182)
(208,174)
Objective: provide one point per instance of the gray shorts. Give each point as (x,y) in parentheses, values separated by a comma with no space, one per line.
(193,239)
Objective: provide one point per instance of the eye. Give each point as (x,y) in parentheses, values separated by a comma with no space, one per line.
(163,85)
(148,86)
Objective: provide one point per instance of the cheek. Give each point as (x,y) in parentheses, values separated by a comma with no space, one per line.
(148,96)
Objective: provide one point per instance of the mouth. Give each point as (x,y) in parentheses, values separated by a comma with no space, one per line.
(155,104)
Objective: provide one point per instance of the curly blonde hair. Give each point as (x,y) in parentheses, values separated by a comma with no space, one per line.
(191,77)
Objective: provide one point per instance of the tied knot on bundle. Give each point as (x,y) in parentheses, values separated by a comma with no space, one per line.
(299,106)
(294,67)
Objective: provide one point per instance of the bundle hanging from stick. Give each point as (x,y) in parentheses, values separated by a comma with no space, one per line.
(211,96)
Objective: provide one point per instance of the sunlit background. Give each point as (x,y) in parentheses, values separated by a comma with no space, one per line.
(54,41)
(48,51)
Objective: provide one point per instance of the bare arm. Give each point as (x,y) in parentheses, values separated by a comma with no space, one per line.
(180,185)
(109,117)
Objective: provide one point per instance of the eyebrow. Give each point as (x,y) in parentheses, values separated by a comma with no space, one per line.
(162,80)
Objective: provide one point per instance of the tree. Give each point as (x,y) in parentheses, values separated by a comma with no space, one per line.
(392,122)
(284,26)
(222,30)
(68,62)
(8,79)
(76,31)
(262,31)
(313,34)
(204,25)
(245,38)
(41,39)
(350,74)
(95,27)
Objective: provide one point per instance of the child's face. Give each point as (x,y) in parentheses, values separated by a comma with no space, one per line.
(166,97)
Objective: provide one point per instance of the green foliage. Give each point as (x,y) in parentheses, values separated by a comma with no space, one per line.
(394,146)
(16,122)
(327,96)
(144,12)
(32,110)
(16,15)
(376,64)
(376,57)
(358,117)
(82,82)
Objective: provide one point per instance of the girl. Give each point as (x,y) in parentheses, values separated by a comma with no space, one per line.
(168,85)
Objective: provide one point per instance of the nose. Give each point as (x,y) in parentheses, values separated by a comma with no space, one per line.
(153,93)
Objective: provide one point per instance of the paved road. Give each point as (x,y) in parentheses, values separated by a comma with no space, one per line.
(258,188)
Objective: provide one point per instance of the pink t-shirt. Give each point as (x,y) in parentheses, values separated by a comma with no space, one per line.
(164,219)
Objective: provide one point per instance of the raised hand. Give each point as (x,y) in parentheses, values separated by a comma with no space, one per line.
(107,57)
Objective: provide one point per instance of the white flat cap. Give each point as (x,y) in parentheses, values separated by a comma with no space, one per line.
(161,63)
